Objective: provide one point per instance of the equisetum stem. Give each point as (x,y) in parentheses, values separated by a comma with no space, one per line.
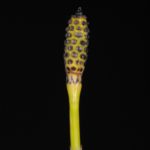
(74,91)
(74,127)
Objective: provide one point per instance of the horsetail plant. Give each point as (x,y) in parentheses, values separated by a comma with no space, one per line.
(75,56)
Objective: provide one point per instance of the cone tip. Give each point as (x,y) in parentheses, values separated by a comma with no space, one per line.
(79,11)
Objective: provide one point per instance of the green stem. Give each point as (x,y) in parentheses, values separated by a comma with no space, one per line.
(74,91)
(74,127)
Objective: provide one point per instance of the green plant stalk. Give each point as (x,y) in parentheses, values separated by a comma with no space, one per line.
(74,127)
(74,98)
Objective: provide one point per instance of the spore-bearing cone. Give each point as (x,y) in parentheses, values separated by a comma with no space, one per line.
(76,44)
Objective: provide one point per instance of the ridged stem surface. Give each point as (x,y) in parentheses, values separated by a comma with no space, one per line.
(74,91)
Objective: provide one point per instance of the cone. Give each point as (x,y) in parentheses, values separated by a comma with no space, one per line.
(76,44)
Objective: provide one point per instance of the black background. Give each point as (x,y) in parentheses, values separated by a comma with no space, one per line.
(34,104)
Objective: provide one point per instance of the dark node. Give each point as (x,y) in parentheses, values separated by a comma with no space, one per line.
(74,54)
(81,69)
(68,34)
(77,62)
(70,61)
(83,56)
(78,48)
(83,43)
(66,54)
(71,28)
(76,22)
(81,62)
(73,68)
(67,41)
(79,28)
(68,69)
(70,47)
(78,34)
(84,23)
(74,41)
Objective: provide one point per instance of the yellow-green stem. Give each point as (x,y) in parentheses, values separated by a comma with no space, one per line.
(74,98)
(74,127)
